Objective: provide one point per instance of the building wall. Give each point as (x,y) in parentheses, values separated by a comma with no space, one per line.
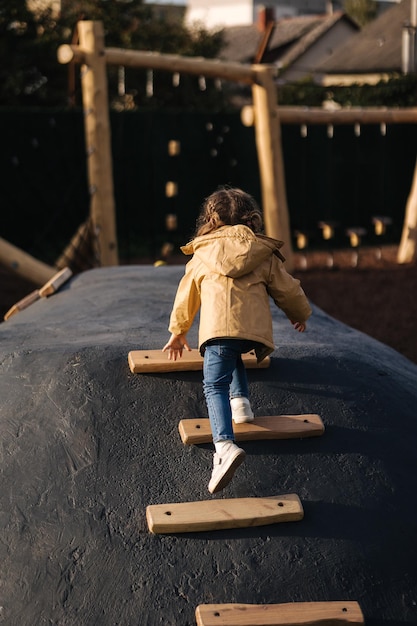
(244,12)
(218,13)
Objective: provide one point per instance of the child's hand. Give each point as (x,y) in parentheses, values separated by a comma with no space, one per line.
(300,326)
(175,346)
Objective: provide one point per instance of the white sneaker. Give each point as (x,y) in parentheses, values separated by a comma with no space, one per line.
(224,466)
(241,410)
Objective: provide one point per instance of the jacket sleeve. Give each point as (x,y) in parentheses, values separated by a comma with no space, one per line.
(186,303)
(287,293)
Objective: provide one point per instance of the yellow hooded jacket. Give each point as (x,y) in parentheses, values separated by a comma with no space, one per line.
(231,276)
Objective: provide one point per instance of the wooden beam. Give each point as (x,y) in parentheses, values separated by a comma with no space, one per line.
(354,115)
(97,131)
(238,72)
(407,251)
(24,264)
(270,158)
(169,62)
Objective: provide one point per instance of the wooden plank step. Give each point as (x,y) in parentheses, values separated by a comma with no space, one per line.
(48,289)
(55,282)
(24,303)
(156,361)
(290,614)
(193,431)
(217,514)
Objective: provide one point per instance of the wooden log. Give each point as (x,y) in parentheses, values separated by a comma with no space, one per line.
(289,614)
(97,130)
(407,251)
(213,68)
(24,264)
(271,161)
(354,115)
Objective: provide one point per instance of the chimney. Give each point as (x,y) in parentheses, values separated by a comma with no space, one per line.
(329,7)
(266,15)
(413,13)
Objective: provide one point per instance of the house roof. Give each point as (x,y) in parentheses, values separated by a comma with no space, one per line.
(377,48)
(290,38)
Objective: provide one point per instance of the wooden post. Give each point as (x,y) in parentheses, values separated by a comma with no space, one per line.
(25,265)
(271,162)
(97,130)
(407,251)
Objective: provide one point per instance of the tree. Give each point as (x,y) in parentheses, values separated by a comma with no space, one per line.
(21,74)
(31,75)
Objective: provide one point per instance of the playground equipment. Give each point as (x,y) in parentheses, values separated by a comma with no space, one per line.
(93,55)
(264,114)
(97,236)
(407,251)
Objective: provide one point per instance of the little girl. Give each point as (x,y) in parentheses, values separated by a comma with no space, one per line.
(233,271)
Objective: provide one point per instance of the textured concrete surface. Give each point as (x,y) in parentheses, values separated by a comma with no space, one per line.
(86,446)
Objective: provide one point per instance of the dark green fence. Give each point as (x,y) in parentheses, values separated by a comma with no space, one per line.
(44,191)
(214,150)
(349,179)
(346,179)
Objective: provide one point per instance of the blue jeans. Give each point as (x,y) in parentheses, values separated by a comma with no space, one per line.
(224,377)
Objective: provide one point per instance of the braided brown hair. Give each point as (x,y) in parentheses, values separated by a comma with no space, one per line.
(228,207)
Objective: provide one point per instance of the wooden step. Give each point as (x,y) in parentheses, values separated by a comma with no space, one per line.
(290,614)
(193,431)
(57,280)
(217,514)
(156,361)
(48,289)
(24,303)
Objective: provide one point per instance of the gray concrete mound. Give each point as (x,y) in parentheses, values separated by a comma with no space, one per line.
(87,445)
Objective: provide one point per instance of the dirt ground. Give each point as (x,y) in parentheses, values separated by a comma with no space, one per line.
(367,290)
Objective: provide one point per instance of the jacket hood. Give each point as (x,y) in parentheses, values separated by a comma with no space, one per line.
(233,250)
